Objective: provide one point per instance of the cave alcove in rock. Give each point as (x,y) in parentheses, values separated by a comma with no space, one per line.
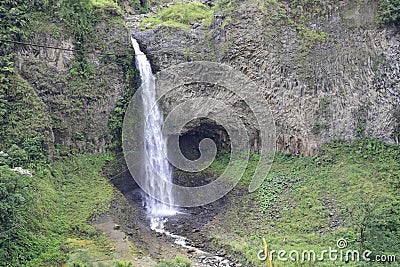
(188,144)
(198,130)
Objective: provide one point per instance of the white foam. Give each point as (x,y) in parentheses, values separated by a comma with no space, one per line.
(157,169)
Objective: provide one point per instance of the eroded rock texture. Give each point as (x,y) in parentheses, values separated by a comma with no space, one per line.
(343,85)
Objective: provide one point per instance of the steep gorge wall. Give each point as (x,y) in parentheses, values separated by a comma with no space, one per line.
(342,84)
(77,108)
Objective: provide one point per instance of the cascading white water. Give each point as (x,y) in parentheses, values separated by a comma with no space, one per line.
(155,149)
(156,161)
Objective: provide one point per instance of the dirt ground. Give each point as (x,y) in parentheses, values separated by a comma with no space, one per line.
(136,242)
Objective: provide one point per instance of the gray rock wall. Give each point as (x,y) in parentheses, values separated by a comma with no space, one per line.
(345,86)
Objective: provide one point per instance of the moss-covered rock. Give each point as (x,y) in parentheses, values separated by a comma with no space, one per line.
(78,106)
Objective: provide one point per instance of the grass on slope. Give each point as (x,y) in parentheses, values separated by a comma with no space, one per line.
(179,15)
(55,228)
(70,192)
(349,191)
(105,4)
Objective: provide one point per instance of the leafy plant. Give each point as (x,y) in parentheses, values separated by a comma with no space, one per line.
(389,12)
(144,9)
(116,118)
(179,15)
(104,4)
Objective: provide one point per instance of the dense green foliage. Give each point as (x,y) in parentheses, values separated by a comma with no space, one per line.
(15,196)
(180,15)
(389,12)
(39,213)
(105,4)
(348,190)
(44,219)
(79,18)
(18,106)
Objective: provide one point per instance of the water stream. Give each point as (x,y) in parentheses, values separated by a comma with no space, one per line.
(156,162)
(155,150)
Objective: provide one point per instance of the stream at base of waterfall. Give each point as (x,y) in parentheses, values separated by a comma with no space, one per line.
(157,166)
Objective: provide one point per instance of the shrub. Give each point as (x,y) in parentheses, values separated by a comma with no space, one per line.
(180,15)
(14,195)
(389,12)
(105,4)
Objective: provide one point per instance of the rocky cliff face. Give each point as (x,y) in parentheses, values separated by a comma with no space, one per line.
(339,78)
(77,107)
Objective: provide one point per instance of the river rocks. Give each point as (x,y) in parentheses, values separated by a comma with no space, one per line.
(191,250)
(216,261)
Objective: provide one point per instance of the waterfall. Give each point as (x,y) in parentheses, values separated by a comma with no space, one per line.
(155,149)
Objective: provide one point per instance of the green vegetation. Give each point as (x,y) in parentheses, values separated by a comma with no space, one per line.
(105,4)
(144,9)
(309,37)
(348,190)
(14,195)
(289,12)
(389,12)
(226,8)
(80,18)
(40,215)
(21,115)
(180,15)
(45,218)
(177,262)
(22,111)
(116,117)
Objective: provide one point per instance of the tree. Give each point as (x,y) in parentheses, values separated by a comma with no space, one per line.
(14,195)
